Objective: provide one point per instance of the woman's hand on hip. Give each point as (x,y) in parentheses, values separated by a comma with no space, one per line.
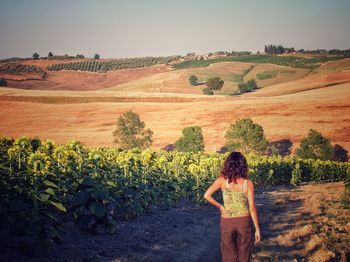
(257,236)
(222,210)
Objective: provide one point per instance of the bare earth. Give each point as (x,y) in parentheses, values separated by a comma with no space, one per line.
(81,81)
(306,223)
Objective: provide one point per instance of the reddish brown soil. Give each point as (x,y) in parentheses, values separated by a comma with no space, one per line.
(339,76)
(78,80)
(47,62)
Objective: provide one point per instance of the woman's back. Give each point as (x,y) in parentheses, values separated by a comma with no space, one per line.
(235,198)
(238,210)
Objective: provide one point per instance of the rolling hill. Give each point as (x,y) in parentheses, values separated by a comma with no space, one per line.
(289,103)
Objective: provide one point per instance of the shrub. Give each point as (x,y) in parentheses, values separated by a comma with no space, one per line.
(251,84)
(36,56)
(208,91)
(214,83)
(193,80)
(315,146)
(191,140)
(3,82)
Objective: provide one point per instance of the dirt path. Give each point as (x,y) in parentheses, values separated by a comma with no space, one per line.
(306,223)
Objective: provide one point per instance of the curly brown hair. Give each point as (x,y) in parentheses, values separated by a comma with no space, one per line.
(235,166)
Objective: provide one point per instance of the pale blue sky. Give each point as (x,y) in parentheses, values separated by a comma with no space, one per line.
(130,28)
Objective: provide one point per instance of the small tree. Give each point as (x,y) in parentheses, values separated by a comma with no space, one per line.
(191,140)
(130,132)
(246,136)
(215,83)
(193,80)
(251,84)
(96,56)
(340,154)
(50,54)
(208,91)
(3,82)
(243,88)
(36,56)
(315,146)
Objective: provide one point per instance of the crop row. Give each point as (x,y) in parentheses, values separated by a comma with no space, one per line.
(104,66)
(43,184)
(16,68)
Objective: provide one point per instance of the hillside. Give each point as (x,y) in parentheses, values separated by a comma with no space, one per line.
(177,81)
(78,80)
(330,74)
(289,103)
(273,79)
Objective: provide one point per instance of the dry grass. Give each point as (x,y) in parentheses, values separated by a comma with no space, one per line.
(331,73)
(286,110)
(283,74)
(177,81)
(307,223)
(291,116)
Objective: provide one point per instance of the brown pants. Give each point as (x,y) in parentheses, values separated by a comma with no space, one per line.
(236,239)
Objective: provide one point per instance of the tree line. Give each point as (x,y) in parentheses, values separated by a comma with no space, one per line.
(50,55)
(279,49)
(244,135)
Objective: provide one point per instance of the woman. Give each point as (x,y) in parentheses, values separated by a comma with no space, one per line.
(238,209)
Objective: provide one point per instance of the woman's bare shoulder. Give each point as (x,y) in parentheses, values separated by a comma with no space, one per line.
(220,179)
(250,183)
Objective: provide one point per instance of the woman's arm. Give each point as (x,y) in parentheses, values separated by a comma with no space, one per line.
(252,210)
(211,190)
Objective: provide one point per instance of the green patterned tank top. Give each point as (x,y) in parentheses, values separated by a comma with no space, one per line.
(235,203)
